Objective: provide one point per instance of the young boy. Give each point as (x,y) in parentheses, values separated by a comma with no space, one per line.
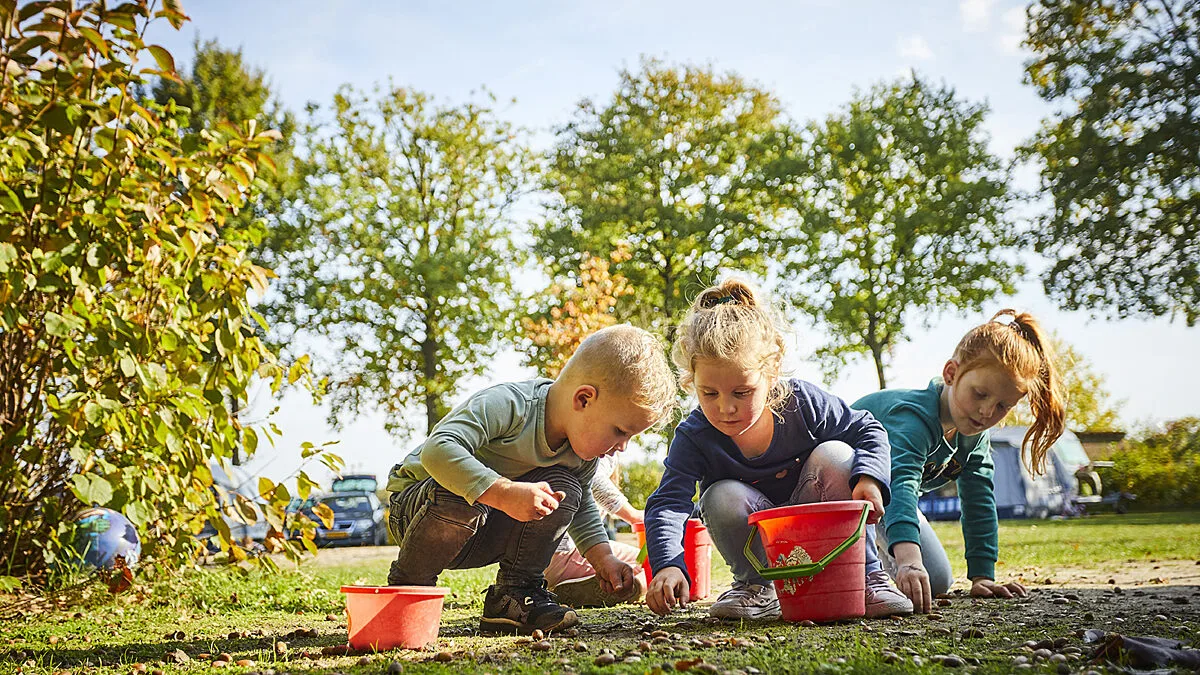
(504,475)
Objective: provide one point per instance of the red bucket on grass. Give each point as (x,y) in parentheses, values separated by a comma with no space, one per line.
(697,556)
(816,557)
(387,617)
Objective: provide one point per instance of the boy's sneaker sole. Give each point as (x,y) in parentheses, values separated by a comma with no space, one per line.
(502,626)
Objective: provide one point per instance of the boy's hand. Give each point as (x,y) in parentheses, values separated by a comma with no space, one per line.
(982,587)
(869,489)
(522,502)
(667,589)
(616,576)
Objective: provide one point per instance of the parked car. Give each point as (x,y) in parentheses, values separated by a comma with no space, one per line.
(358,519)
(355,482)
(225,485)
(1081,482)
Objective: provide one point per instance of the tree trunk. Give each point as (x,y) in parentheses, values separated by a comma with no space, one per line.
(429,351)
(877,354)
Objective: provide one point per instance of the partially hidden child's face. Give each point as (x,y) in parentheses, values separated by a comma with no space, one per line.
(979,398)
(602,425)
(731,397)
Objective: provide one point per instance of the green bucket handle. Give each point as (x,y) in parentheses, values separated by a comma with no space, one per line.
(807,569)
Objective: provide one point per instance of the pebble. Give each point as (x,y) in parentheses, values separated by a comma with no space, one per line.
(1061,601)
(1160,617)
(394,668)
(281,648)
(332,617)
(808,623)
(444,657)
(580,646)
(219,663)
(633,658)
(1020,659)
(1042,653)
(1058,658)
(643,646)
(223,656)
(943,602)
(972,632)
(537,634)
(540,646)
(933,616)
(245,663)
(1180,600)
(364,661)
(605,660)
(952,661)
(890,657)
(1063,669)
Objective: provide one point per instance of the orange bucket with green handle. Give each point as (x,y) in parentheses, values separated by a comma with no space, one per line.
(818,558)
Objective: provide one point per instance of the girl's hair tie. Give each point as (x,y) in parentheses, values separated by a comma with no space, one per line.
(713,302)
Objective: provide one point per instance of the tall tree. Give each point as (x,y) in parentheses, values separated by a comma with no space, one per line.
(902,213)
(571,309)
(1090,406)
(673,169)
(403,257)
(1121,156)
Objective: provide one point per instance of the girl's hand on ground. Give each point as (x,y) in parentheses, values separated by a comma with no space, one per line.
(868,489)
(667,589)
(913,581)
(987,588)
(615,575)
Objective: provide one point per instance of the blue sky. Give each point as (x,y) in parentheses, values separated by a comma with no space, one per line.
(811,54)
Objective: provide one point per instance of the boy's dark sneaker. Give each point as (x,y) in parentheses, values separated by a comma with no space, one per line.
(511,610)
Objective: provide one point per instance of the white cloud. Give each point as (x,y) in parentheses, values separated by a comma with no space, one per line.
(976,14)
(1012,29)
(914,47)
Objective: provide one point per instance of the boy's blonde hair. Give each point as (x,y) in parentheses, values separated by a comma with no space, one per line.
(732,322)
(629,362)
(1015,342)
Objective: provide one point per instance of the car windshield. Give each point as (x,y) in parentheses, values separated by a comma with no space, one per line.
(348,503)
(354,484)
(1071,451)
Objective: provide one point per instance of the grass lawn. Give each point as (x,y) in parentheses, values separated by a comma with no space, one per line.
(211,611)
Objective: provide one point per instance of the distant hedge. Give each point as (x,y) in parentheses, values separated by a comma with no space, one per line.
(1161,468)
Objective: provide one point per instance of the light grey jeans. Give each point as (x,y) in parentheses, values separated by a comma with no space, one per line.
(726,505)
(937,564)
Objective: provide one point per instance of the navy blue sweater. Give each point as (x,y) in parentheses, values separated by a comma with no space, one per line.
(702,454)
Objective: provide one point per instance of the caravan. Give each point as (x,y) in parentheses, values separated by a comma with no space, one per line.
(1019,494)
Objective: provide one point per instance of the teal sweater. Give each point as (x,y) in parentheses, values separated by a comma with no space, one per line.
(922,460)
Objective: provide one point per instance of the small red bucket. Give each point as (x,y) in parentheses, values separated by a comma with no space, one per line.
(697,556)
(386,617)
(817,558)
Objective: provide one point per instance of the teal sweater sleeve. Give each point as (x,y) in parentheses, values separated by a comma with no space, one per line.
(980,527)
(910,439)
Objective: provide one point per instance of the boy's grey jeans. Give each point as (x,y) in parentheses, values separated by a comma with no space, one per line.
(726,505)
(438,530)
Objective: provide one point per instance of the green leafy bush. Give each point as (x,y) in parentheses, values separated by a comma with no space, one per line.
(640,479)
(1162,468)
(125,318)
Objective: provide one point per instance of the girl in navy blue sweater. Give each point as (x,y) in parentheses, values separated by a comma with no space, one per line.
(757,441)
